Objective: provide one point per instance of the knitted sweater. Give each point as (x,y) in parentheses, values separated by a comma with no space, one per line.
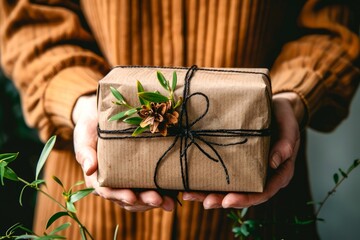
(56,51)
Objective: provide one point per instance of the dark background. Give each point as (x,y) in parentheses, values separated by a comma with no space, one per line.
(15,136)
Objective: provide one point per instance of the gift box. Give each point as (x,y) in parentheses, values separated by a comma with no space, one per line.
(221,142)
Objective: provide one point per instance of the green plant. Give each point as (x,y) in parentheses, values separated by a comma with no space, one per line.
(68,207)
(245,228)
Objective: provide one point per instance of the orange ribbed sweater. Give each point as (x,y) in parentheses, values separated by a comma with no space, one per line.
(56,51)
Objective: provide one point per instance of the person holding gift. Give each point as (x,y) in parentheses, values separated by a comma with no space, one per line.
(56,51)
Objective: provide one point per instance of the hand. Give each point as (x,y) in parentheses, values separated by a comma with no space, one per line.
(288,111)
(85,140)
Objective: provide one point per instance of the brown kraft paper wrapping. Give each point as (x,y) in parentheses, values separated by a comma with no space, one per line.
(239,107)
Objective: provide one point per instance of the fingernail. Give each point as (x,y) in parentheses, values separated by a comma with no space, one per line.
(275,160)
(167,206)
(212,206)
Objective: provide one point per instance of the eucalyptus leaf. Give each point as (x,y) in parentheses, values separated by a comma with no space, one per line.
(244,230)
(44,155)
(140,88)
(51,237)
(174,81)
(10,174)
(139,130)
(60,228)
(2,173)
(8,157)
(336,178)
(233,216)
(25,229)
(133,120)
(37,182)
(70,207)
(117,94)
(26,236)
(118,116)
(243,212)
(153,97)
(162,80)
(80,194)
(21,194)
(55,217)
(178,103)
(56,179)
(343,173)
(131,112)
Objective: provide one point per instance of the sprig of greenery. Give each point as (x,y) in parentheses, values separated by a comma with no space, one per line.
(68,207)
(145,99)
(244,228)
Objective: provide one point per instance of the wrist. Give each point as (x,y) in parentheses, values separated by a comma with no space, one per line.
(82,105)
(297,105)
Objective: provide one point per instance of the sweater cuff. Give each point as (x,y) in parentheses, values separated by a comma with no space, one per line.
(63,91)
(305,83)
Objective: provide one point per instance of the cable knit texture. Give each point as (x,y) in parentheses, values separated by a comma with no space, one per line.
(56,51)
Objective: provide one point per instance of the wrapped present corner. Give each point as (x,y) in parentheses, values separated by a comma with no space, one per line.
(222,143)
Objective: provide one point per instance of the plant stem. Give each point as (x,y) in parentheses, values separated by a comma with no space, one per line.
(43,192)
(333,190)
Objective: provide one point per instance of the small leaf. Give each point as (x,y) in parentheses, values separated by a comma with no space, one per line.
(174,81)
(117,94)
(162,80)
(343,173)
(56,179)
(26,236)
(38,182)
(178,103)
(336,178)
(44,155)
(140,88)
(118,116)
(123,114)
(133,120)
(10,174)
(244,230)
(25,229)
(153,97)
(77,184)
(55,217)
(8,157)
(21,194)
(82,232)
(139,130)
(80,194)
(2,173)
(233,216)
(243,212)
(71,207)
(61,227)
(320,219)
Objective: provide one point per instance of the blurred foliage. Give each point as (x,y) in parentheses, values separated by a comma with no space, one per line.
(16,136)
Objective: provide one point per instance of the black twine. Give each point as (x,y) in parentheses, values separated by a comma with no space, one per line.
(188,136)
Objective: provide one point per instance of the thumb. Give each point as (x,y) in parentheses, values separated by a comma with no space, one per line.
(86,156)
(288,136)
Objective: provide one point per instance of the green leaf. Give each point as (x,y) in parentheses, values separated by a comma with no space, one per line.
(116,231)
(56,179)
(77,184)
(117,94)
(55,217)
(82,232)
(336,178)
(162,80)
(244,230)
(178,103)
(174,81)
(71,207)
(123,114)
(21,194)
(51,237)
(118,116)
(343,173)
(8,157)
(80,194)
(243,212)
(153,97)
(26,236)
(140,88)
(44,155)
(139,130)
(233,216)
(133,120)
(10,174)
(2,173)
(354,165)
(60,228)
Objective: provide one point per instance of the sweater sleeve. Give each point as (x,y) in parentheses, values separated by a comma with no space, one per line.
(48,51)
(322,66)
